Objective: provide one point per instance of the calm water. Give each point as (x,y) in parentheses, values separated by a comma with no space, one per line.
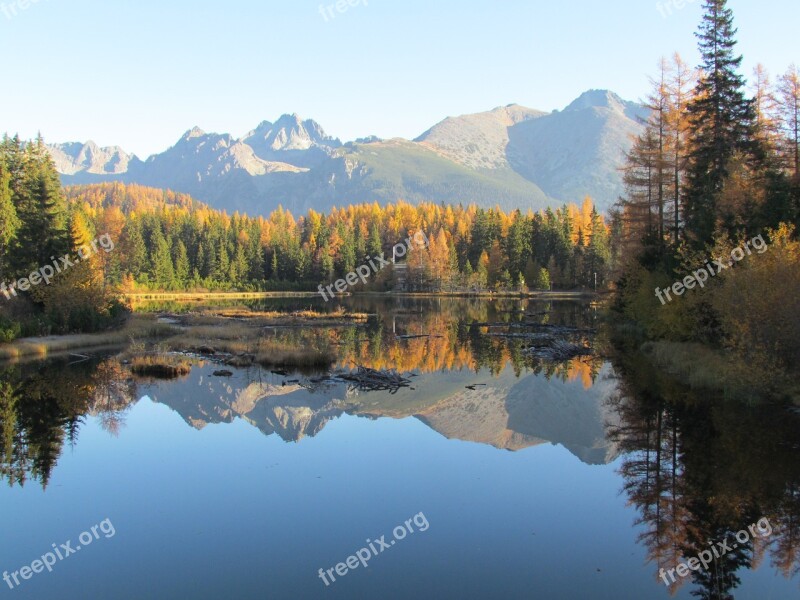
(547,480)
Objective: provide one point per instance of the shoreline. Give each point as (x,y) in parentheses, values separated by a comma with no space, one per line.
(202,296)
(143,324)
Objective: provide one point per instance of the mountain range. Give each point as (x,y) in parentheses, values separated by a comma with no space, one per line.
(512,156)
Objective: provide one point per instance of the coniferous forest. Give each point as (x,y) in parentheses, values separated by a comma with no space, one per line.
(165,241)
(565,337)
(716,166)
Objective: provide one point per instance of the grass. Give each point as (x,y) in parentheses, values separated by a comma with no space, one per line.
(236,331)
(137,326)
(247,347)
(160,365)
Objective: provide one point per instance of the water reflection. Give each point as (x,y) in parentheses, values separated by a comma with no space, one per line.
(42,408)
(514,400)
(699,470)
(502,410)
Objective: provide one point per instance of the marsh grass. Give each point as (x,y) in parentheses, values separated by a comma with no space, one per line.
(238,332)
(137,326)
(160,365)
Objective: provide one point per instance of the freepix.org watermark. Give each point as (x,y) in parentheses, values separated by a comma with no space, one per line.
(48,272)
(762,529)
(666,8)
(418,240)
(49,559)
(363,556)
(340,6)
(702,276)
(13,8)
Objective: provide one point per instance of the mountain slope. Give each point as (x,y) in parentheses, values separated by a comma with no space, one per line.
(578,151)
(511,156)
(478,141)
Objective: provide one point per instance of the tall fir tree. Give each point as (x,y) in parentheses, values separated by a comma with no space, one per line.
(721,120)
(9,222)
(42,208)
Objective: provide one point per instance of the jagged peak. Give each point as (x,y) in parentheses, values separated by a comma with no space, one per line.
(194,132)
(597,99)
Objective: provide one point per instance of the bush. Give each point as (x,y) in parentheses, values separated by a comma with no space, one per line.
(759,301)
(9,330)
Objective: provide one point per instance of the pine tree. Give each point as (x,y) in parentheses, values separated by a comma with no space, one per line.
(721,120)
(222,269)
(517,243)
(599,254)
(181,260)
(42,210)
(162,270)
(134,249)
(374,246)
(9,222)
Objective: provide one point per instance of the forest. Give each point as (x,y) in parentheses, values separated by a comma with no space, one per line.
(166,241)
(717,165)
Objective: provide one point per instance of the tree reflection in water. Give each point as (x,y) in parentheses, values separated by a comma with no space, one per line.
(699,469)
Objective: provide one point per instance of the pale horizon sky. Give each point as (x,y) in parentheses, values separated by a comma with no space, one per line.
(138,74)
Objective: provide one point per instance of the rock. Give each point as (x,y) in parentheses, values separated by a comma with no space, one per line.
(241,360)
(223,374)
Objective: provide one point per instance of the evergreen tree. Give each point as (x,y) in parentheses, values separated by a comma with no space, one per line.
(222,268)
(374,246)
(517,242)
(162,270)
(9,222)
(134,248)
(42,210)
(721,121)
(181,261)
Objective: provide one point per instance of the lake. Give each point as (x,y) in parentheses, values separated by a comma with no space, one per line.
(497,473)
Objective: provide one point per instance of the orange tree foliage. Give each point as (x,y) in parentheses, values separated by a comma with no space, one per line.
(169,241)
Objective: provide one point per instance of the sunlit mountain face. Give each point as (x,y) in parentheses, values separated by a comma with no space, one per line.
(511,156)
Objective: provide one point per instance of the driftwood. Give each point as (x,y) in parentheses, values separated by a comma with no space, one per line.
(522,336)
(371,380)
(557,350)
(551,329)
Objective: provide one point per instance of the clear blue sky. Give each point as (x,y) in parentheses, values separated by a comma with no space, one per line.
(138,73)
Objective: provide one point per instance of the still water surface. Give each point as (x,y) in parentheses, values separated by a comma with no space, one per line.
(567,480)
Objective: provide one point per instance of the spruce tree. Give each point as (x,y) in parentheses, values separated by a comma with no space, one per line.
(42,209)
(9,222)
(721,120)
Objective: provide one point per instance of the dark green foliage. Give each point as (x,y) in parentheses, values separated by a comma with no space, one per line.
(721,121)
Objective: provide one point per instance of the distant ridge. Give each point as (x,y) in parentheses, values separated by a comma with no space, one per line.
(511,156)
